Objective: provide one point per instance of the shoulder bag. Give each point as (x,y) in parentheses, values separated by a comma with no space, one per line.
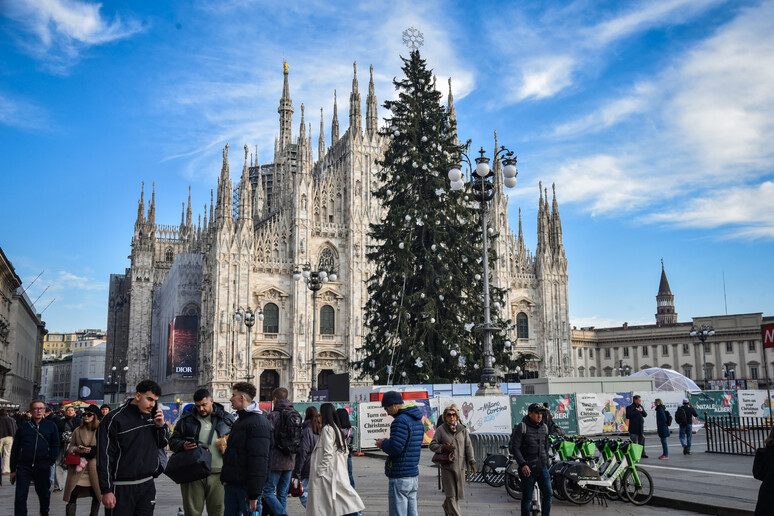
(759,464)
(190,465)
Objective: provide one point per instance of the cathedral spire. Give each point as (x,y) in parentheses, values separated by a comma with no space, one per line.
(212,203)
(245,209)
(182,218)
(520,241)
(372,121)
(335,122)
(302,128)
(665,302)
(355,117)
(205,218)
(189,213)
(225,202)
(497,168)
(556,223)
(321,140)
(258,202)
(285,110)
(141,206)
(451,112)
(152,208)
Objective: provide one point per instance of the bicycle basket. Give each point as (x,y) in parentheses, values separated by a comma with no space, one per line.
(634,452)
(566,449)
(588,448)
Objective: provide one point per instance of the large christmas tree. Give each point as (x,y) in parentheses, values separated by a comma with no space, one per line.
(425,298)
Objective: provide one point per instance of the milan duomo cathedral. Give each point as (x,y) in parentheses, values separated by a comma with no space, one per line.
(245,248)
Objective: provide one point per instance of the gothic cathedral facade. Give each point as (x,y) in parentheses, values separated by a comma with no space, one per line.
(296,211)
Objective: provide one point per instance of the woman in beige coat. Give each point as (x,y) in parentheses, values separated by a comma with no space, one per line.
(82,479)
(452,436)
(330,493)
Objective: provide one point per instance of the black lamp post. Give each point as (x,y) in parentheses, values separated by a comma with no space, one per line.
(314,281)
(703,332)
(116,305)
(482,188)
(623,370)
(248,317)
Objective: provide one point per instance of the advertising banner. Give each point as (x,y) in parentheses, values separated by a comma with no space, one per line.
(562,407)
(374,423)
(614,411)
(183,346)
(589,414)
(351,409)
(754,404)
(90,388)
(672,400)
(715,403)
(482,414)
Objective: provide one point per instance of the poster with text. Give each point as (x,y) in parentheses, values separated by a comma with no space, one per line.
(562,408)
(182,346)
(672,400)
(482,414)
(754,404)
(715,403)
(374,423)
(589,406)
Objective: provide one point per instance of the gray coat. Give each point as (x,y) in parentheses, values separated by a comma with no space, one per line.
(463,455)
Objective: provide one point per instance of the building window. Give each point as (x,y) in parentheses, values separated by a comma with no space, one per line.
(326,262)
(710,371)
(591,352)
(754,371)
(327,320)
(686,349)
(608,372)
(592,372)
(687,371)
(169,254)
(644,351)
(580,352)
(751,345)
(607,353)
(729,347)
(665,350)
(580,372)
(522,326)
(270,318)
(626,352)
(706,349)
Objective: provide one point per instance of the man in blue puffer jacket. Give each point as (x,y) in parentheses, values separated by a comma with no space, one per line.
(403,447)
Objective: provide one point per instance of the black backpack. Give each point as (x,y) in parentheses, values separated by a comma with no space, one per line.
(680,417)
(668,417)
(287,435)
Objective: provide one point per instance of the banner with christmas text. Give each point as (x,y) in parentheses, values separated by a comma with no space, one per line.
(562,407)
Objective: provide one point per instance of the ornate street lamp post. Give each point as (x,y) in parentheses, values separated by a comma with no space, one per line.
(703,332)
(623,370)
(248,317)
(482,188)
(314,281)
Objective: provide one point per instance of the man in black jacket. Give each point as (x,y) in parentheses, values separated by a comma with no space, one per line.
(202,425)
(684,417)
(247,460)
(128,443)
(529,445)
(7,431)
(35,448)
(636,415)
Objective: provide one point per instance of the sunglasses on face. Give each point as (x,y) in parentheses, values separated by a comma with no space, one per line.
(88,415)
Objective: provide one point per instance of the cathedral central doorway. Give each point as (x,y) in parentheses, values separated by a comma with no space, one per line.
(269,381)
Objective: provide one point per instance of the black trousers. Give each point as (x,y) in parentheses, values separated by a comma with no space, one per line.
(134,500)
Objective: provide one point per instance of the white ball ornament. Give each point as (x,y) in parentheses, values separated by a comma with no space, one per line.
(403,374)
(433,247)
(422,295)
(401,245)
(415,164)
(408,218)
(432,320)
(475,366)
(464,259)
(490,231)
(453,352)
(376,378)
(477,277)
(440,296)
(497,305)
(389,192)
(507,343)
(424,138)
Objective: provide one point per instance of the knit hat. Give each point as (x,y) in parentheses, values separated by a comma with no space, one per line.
(391,398)
(94,410)
(685,401)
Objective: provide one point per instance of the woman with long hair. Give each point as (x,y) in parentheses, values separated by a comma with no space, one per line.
(453,437)
(662,427)
(310,433)
(349,437)
(330,493)
(82,478)
(765,503)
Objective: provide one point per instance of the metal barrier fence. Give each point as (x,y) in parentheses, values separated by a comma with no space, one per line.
(486,444)
(736,435)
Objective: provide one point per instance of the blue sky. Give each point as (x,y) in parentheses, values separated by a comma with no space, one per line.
(655,120)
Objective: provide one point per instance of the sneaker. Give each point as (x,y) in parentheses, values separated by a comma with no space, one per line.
(664,457)
(688,452)
(685,450)
(643,456)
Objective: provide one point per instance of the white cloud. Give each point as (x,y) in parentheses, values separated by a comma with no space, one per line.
(69,281)
(21,113)
(58,31)
(545,77)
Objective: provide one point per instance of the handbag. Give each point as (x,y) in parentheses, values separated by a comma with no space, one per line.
(190,465)
(443,458)
(296,488)
(759,464)
(72,459)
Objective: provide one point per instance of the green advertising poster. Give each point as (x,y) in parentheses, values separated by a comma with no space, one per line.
(715,403)
(562,408)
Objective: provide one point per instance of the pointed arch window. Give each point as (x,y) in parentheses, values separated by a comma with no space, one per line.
(169,255)
(326,262)
(522,326)
(270,318)
(327,320)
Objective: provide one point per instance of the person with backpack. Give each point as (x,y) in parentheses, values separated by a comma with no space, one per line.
(684,417)
(286,427)
(662,427)
(530,445)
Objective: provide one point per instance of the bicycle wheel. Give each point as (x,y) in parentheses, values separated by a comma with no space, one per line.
(638,492)
(513,486)
(575,493)
(493,470)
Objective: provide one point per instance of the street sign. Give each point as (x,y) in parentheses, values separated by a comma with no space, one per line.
(767,331)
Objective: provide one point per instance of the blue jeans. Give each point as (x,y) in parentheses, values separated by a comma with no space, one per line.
(686,433)
(25,475)
(302,498)
(541,476)
(235,501)
(664,447)
(275,492)
(402,495)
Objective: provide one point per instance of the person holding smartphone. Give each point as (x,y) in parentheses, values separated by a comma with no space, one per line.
(82,479)
(128,443)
